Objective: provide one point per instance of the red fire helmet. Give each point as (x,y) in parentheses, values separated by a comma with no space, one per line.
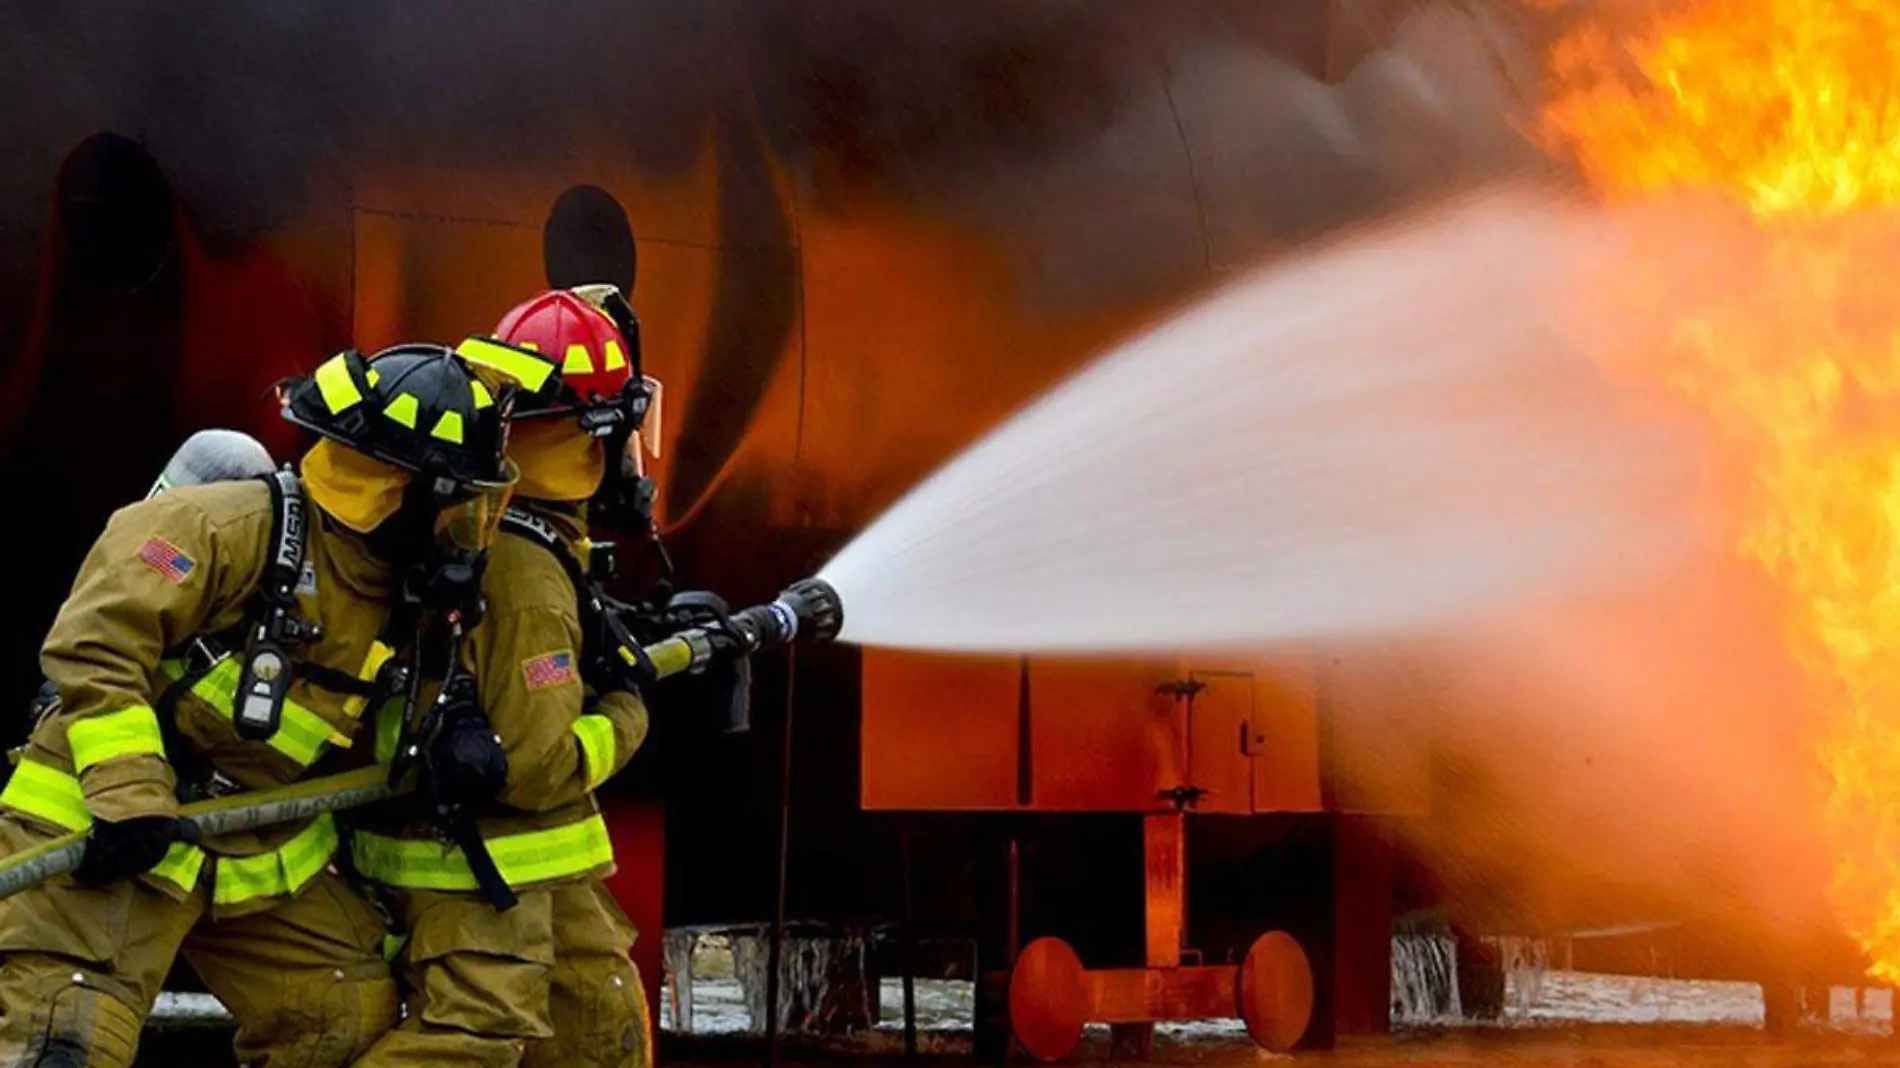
(580,338)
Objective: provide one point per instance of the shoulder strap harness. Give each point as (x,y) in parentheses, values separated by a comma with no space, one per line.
(258,705)
(616,657)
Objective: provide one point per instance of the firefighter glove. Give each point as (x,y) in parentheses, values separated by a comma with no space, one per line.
(466,761)
(120,849)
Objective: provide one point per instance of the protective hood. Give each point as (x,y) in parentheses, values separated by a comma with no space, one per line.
(558,460)
(360,491)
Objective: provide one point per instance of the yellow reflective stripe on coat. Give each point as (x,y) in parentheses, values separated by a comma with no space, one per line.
(301,733)
(47,794)
(284,870)
(128,732)
(372,666)
(182,865)
(523,859)
(596,734)
(389,721)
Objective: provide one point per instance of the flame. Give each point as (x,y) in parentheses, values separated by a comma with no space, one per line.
(1789,111)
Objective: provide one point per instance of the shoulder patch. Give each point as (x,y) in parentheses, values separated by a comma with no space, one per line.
(166,559)
(548,670)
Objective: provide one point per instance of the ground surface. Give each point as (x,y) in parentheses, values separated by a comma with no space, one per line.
(1553,1018)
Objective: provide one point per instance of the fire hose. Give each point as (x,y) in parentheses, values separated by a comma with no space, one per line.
(807,611)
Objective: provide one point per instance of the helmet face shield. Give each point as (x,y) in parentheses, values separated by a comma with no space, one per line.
(644,441)
(466,525)
(650,417)
(632,464)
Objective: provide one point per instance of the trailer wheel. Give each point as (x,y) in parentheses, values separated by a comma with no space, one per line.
(1047,1002)
(1274,991)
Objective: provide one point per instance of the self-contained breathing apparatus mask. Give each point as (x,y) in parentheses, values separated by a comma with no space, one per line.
(440,537)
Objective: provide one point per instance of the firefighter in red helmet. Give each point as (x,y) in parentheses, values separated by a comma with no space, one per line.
(548,980)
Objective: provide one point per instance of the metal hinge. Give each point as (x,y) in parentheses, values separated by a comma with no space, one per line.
(1179,688)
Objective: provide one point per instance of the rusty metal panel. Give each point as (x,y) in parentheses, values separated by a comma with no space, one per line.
(939,732)
(1376,705)
(1103,738)
(1285,739)
(430,279)
(1141,995)
(1363,874)
(1219,723)
(1164,858)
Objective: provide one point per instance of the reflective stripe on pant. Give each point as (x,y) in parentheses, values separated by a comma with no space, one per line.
(81,966)
(595,1001)
(477,981)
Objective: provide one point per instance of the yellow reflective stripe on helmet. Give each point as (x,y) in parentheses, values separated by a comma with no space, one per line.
(596,734)
(373,375)
(48,794)
(181,865)
(128,732)
(483,398)
(448,428)
(403,409)
(335,385)
(579,361)
(523,859)
(373,662)
(284,870)
(523,366)
(301,733)
(616,359)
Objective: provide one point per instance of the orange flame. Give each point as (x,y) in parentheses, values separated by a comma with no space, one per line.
(1789,110)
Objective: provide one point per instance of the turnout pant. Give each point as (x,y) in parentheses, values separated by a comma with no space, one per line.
(596,1001)
(81,967)
(547,984)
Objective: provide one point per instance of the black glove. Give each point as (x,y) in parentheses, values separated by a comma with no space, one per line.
(120,849)
(466,763)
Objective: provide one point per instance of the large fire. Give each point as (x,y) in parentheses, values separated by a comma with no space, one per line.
(1789,110)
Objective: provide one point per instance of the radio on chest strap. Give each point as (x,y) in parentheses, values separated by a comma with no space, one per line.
(264,682)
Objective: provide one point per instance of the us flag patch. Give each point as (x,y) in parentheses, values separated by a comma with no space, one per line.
(166,559)
(551,669)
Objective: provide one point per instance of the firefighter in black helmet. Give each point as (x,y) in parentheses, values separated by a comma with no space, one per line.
(227,637)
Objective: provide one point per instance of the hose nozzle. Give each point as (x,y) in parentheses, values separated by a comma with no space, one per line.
(817,607)
(807,611)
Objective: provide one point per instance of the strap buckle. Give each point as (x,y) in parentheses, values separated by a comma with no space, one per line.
(214,784)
